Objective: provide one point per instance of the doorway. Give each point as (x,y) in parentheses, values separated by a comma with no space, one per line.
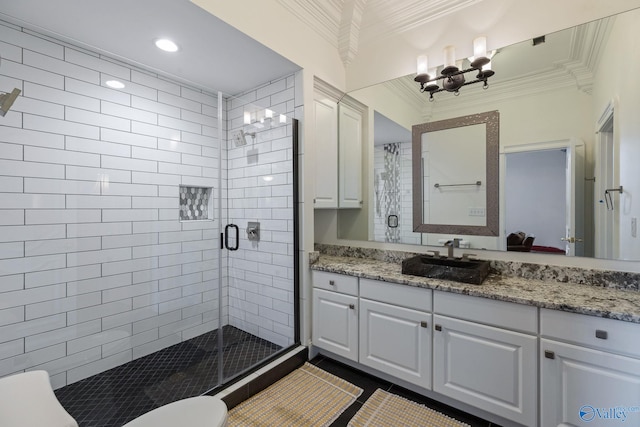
(544,195)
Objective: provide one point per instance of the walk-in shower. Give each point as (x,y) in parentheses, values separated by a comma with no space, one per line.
(251,282)
(126,271)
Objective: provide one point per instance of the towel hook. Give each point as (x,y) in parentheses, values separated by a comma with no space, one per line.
(607,196)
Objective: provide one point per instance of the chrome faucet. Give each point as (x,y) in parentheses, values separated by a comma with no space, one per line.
(455,243)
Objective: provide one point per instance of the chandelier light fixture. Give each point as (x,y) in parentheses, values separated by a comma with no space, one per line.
(452,77)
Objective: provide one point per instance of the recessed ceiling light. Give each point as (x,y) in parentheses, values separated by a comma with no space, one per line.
(166,45)
(114,84)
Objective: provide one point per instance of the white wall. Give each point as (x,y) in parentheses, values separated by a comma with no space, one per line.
(95,267)
(615,83)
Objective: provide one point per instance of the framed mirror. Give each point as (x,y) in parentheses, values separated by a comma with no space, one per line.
(455,175)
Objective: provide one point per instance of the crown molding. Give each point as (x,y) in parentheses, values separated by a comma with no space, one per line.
(349,32)
(323,17)
(406,15)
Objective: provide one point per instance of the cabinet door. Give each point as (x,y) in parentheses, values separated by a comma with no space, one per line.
(335,323)
(350,158)
(582,387)
(491,368)
(326,153)
(396,340)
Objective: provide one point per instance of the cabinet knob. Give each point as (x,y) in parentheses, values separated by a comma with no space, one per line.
(601,334)
(423,324)
(352,306)
(332,282)
(438,327)
(549,354)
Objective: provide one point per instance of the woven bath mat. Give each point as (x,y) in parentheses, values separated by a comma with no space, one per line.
(306,397)
(384,409)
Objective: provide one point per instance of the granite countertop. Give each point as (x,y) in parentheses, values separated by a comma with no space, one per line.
(577,298)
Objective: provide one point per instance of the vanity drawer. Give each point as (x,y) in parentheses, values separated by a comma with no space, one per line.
(507,315)
(396,294)
(610,335)
(335,282)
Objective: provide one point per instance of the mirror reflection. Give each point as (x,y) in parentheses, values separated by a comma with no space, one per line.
(560,104)
(455,175)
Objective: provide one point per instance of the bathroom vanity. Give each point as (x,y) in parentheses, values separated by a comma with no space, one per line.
(529,352)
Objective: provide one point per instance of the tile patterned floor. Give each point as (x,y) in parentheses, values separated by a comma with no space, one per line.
(116,396)
(370,384)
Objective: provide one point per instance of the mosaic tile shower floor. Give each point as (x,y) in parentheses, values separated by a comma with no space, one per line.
(190,368)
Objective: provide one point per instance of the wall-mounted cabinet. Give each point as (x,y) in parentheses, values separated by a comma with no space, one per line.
(338,149)
(349,157)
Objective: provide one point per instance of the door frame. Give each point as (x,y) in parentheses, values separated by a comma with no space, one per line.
(607,165)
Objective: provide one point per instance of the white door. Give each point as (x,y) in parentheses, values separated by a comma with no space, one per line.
(335,323)
(490,368)
(396,340)
(574,236)
(585,387)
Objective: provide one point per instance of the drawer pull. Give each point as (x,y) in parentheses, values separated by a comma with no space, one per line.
(438,327)
(332,282)
(423,324)
(549,354)
(352,306)
(601,334)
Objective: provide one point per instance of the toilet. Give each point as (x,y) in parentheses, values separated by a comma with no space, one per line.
(201,411)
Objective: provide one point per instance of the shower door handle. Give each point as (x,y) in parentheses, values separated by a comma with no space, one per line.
(226,237)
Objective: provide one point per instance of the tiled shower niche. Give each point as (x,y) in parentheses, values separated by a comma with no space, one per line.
(195,203)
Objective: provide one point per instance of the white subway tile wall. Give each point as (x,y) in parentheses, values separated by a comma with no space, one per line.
(96,269)
(260,186)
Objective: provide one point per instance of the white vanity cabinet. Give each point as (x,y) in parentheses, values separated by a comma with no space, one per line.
(335,313)
(590,370)
(395,330)
(484,354)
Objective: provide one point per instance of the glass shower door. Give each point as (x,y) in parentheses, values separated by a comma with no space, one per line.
(257,234)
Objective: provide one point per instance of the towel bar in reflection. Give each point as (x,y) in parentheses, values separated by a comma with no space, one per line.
(477,183)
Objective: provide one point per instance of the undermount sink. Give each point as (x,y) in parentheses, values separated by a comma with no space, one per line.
(459,270)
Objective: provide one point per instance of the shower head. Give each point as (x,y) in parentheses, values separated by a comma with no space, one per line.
(6,101)
(240,138)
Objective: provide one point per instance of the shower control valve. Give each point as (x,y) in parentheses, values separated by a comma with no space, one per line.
(253,231)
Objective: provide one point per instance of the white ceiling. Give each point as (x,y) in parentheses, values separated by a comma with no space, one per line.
(212,55)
